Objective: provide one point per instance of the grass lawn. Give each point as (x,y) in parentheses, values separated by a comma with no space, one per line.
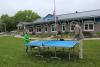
(12,54)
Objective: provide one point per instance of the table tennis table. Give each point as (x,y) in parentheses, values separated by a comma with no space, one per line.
(54,43)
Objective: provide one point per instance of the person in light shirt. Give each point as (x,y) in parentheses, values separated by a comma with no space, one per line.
(78,35)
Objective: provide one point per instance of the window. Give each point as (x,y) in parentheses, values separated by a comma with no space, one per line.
(53,28)
(46,28)
(63,27)
(71,28)
(38,29)
(89,27)
(30,29)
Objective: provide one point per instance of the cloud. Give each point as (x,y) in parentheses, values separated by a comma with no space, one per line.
(43,7)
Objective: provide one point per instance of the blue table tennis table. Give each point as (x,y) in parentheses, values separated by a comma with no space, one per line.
(54,43)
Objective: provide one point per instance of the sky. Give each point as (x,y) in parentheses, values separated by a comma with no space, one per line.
(44,7)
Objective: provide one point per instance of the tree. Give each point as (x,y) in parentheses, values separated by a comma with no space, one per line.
(8,22)
(26,16)
(1,27)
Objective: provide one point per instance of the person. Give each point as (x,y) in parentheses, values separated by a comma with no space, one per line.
(27,40)
(79,37)
(59,36)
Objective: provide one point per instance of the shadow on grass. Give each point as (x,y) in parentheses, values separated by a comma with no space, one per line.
(48,54)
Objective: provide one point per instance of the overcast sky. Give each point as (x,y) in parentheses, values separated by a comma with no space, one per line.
(44,7)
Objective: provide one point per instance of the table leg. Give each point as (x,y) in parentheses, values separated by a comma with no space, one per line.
(48,48)
(73,51)
(69,54)
(39,53)
(63,49)
(55,57)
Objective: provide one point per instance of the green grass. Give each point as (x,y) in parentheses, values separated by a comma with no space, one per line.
(12,54)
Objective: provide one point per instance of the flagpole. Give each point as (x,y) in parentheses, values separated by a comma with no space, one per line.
(55,16)
(54,11)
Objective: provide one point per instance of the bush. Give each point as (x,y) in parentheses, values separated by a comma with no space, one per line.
(41,35)
(98,34)
(88,34)
(71,34)
(33,33)
(59,33)
(66,32)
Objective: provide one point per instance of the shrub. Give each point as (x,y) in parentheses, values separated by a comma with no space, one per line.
(98,34)
(59,33)
(66,32)
(88,34)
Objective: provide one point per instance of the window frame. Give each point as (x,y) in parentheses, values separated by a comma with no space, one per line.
(37,29)
(63,25)
(45,28)
(53,26)
(71,28)
(88,27)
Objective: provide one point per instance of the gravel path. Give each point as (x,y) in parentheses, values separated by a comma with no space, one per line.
(18,36)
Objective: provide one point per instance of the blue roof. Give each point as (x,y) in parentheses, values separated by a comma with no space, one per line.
(48,18)
(85,14)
